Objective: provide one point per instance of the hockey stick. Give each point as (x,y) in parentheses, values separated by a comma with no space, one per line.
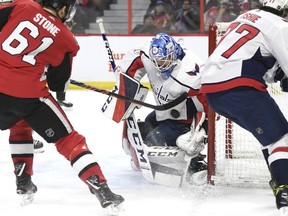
(122,97)
(99,21)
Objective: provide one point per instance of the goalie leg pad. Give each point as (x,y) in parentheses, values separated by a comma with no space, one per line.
(125,142)
(129,149)
(168,164)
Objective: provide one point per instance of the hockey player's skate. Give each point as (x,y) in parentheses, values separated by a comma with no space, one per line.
(273,184)
(25,186)
(197,170)
(281,195)
(198,164)
(106,197)
(38,146)
(65,103)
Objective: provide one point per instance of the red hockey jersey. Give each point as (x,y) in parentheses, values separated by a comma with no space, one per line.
(32,40)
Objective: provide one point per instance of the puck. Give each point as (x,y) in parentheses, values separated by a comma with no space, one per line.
(174,113)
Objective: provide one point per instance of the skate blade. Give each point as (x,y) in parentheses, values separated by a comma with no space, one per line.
(26,199)
(115,210)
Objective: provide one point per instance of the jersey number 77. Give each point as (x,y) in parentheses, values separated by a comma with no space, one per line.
(249,32)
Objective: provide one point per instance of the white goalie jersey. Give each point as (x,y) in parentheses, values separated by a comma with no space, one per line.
(185,77)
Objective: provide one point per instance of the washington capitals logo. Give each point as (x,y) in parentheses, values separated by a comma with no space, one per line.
(194,71)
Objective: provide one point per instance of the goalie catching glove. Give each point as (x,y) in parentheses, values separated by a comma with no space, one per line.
(193,142)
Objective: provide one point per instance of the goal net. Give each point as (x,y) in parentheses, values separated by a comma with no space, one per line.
(234,156)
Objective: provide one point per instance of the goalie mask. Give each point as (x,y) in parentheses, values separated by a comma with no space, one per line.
(58,4)
(164,53)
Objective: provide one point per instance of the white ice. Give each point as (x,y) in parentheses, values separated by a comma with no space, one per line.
(60,191)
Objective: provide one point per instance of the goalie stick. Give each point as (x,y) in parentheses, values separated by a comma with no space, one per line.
(142,156)
(122,97)
(99,21)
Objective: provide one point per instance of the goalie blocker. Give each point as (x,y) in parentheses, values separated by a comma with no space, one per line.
(118,109)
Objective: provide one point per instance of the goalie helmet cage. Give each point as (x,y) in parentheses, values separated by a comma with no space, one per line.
(234,156)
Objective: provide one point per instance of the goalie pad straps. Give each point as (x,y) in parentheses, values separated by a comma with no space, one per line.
(118,109)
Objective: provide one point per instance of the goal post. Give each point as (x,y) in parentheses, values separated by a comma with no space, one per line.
(234,155)
(212,42)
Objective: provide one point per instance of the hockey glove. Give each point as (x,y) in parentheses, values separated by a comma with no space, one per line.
(193,142)
(280,76)
(284,84)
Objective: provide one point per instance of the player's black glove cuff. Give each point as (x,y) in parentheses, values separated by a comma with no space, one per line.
(284,84)
(279,74)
